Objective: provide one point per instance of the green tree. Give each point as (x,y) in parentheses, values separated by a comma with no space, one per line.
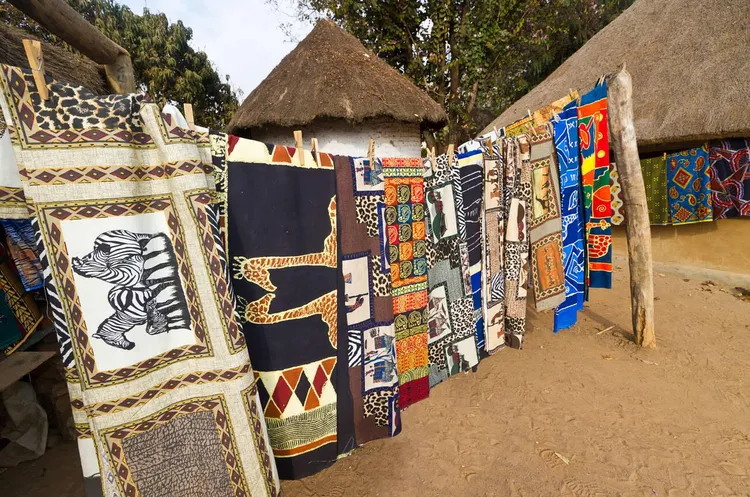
(164,63)
(475,57)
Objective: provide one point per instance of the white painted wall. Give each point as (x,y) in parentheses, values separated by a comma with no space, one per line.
(392,138)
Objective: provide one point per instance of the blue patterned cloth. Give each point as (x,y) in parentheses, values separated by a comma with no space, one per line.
(566,143)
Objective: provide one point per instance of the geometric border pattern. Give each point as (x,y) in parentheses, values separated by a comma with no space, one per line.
(113,437)
(50,216)
(249,395)
(105,174)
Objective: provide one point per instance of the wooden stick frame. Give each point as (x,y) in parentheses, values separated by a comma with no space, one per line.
(33,49)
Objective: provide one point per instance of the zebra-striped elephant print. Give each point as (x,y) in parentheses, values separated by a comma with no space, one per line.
(146,284)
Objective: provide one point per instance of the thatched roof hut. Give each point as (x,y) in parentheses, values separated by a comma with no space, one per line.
(330,75)
(59,63)
(689,59)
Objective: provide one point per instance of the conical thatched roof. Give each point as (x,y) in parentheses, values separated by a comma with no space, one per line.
(330,74)
(59,63)
(690,62)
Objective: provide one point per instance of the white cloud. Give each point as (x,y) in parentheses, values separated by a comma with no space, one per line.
(242,37)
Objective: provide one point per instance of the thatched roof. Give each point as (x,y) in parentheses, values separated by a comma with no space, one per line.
(330,74)
(59,63)
(690,61)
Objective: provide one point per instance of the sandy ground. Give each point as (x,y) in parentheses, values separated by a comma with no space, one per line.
(582,414)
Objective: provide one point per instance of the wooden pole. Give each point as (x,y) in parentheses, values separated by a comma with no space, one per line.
(637,227)
(60,19)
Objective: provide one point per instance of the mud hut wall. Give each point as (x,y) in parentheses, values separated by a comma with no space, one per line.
(392,138)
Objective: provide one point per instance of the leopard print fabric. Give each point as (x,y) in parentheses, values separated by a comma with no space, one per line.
(462,314)
(381,283)
(376,406)
(367,212)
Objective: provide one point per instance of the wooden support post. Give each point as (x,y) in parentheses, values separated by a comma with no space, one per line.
(637,227)
(189,116)
(60,19)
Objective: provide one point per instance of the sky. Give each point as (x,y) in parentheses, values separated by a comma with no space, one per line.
(243,38)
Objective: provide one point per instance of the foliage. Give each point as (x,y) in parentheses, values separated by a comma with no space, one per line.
(475,57)
(164,63)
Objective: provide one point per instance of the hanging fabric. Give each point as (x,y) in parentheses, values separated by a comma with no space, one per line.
(618,205)
(27,316)
(594,150)
(516,245)
(21,245)
(451,330)
(470,168)
(405,220)
(730,178)
(655,178)
(159,373)
(366,270)
(545,226)
(688,184)
(574,257)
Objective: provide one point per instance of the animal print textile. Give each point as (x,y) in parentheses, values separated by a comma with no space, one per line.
(597,199)
(285,270)
(545,226)
(156,364)
(729,162)
(406,228)
(688,186)
(618,205)
(373,382)
(566,144)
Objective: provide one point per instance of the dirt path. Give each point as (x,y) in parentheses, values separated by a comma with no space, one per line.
(582,414)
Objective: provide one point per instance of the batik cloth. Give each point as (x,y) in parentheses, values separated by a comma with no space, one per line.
(163,393)
(407,247)
(574,257)
(493,226)
(545,114)
(730,177)
(519,127)
(654,172)
(688,186)
(618,205)
(450,320)
(285,269)
(545,225)
(366,271)
(516,245)
(21,245)
(597,199)
(471,174)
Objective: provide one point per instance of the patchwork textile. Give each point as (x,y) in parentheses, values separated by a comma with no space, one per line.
(285,273)
(156,364)
(407,247)
(618,205)
(655,178)
(21,245)
(516,245)
(545,225)
(471,174)
(450,319)
(730,178)
(574,257)
(688,184)
(597,199)
(493,225)
(371,337)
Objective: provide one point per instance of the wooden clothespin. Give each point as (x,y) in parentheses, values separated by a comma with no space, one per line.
(33,50)
(371,152)
(189,117)
(450,153)
(314,147)
(299,146)
(497,133)
(433,158)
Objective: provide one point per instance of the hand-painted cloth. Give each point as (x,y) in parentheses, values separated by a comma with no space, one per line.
(406,227)
(597,200)
(27,314)
(730,177)
(493,225)
(688,184)
(285,273)
(163,393)
(516,244)
(470,168)
(545,225)
(366,271)
(574,256)
(655,178)
(21,245)
(618,205)
(450,322)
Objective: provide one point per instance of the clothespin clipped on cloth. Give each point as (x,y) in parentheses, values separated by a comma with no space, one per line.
(433,158)
(450,153)
(314,147)
(497,133)
(189,117)
(371,152)
(299,146)
(33,49)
